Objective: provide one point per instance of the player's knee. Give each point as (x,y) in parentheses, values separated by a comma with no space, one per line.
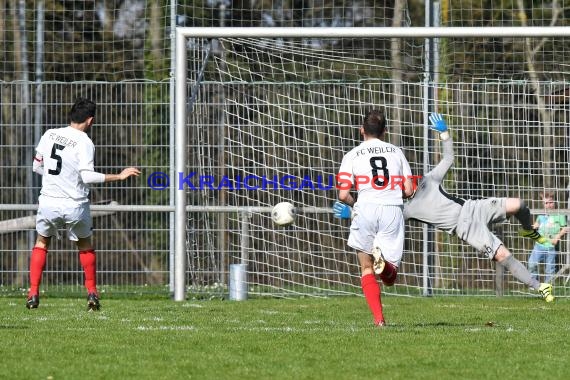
(42,241)
(514,205)
(502,254)
(84,244)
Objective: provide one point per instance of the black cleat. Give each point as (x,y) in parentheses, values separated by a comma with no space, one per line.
(93,302)
(33,301)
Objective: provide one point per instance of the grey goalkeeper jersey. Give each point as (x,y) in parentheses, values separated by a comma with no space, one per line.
(431,204)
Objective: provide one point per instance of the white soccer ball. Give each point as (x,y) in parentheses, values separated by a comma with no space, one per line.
(284,214)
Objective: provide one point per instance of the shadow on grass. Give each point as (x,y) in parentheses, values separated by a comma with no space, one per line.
(12,327)
(441,324)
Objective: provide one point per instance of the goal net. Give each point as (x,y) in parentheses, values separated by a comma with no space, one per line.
(267,117)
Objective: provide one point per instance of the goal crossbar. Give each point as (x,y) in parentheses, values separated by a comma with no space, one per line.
(380,32)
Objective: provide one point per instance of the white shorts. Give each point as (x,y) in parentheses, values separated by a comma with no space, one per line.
(378,226)
(57,213)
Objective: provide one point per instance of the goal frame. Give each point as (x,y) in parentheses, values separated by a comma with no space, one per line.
(181,97)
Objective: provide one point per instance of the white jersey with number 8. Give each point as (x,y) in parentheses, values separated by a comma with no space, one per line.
(378,170)
(66,152)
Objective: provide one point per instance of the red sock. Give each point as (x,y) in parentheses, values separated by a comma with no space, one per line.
(389,274)
(371,290)
(37,265)
(88,261)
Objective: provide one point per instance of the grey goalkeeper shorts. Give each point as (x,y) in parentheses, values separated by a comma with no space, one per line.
(474,222)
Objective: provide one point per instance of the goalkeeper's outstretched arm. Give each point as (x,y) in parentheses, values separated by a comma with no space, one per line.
(438,124)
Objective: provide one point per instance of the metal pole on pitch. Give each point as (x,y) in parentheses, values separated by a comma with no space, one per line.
(171,153)
(180,161)
(430,81)
(181,147)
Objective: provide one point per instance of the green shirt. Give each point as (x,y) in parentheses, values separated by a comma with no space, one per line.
(549,226)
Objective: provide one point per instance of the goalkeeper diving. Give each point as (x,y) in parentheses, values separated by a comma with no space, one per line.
(470,219)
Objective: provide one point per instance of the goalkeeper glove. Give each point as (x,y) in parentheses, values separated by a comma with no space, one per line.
(342,210)
(439,125)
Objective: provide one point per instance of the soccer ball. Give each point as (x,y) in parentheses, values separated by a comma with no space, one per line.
(284,214)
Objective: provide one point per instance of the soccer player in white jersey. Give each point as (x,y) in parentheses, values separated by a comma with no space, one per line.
(64,158)
(470,219)
(381,175)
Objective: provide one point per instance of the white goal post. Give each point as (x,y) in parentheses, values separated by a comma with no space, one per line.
(186,87)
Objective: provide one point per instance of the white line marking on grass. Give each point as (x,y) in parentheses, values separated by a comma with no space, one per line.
(289,329)
(165,328)
(451,306)
(192,305)
(313,322)
(478,329)
(270,312)
(270,329)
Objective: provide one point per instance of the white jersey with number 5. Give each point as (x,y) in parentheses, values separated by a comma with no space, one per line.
(378,170)
(66,151)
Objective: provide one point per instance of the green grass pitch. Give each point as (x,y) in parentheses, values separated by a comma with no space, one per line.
(304,338)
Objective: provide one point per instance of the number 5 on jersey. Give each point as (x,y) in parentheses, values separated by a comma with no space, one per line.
(54,155)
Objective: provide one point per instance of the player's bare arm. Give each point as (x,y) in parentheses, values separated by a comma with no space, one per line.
(38,164)
(90,177)
(409,188)
(126,173)
(345,197)
(556,239)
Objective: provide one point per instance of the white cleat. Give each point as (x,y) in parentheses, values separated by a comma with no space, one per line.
(379,262)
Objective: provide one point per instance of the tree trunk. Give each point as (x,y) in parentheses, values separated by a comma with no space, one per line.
(548,165)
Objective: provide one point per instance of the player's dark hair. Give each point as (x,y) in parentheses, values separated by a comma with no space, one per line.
(81,110)
(374,123)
